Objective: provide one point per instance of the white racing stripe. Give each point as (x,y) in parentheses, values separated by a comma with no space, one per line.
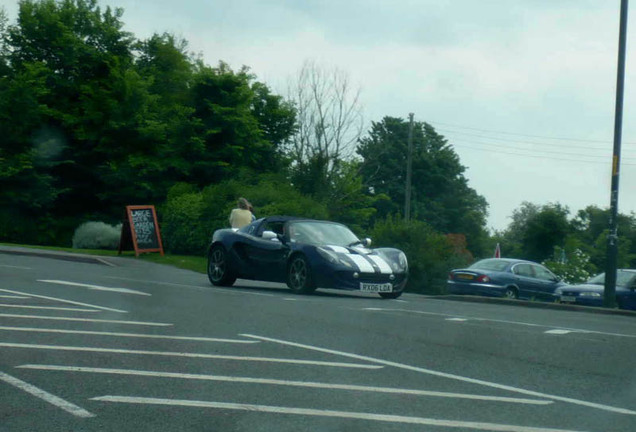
(338,249)
(380,262)
(131,335)
(493,427)
(189,355)
(307,384)
(64,301)
(45,396)
(364,265)
(84,320)
(95,287)
(448,375)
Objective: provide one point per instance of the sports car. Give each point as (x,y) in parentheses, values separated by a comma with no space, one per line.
(306,254)
(591,293)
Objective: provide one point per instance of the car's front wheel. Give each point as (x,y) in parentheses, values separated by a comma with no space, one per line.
(299,277)
(218,268)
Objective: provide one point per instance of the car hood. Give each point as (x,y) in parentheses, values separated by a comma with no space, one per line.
(367,259)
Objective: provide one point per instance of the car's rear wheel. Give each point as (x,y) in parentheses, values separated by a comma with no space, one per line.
(219,271)
(391,295)
(299,277)
(511,293)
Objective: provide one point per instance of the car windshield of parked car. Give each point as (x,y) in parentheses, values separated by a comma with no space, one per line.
(321,233)
(623,278)
(490,264)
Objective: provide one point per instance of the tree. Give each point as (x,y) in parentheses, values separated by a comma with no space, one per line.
(329,121)
(441,195)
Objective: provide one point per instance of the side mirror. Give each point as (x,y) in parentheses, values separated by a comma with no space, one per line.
(269,235)
(366,242)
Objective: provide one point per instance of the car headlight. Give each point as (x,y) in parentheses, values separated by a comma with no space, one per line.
(402,261)
(590,294)
(332,257)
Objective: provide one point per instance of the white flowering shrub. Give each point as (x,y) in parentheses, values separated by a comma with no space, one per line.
(96,235)
(573,267)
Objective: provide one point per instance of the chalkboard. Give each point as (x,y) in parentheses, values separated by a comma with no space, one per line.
(142,228)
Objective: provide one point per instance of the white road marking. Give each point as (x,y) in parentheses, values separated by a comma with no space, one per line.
(559,331)
(308,384)
(447,375)
(456,319)
(573,330)
(494,427)
(16,267)
(84,320)
(64,301)
(45,396)
(290,299)
(132,335)
(47,308)
(235,291)
(95,287)
(190,355)
(14,297)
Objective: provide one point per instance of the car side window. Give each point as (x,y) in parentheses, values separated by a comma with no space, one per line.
(543,273)
(524,270)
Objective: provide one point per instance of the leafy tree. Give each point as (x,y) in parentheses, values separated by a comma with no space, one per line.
(440,192)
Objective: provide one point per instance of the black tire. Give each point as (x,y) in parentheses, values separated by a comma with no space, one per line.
(299,276)
(218,269)
(391,295)
(511,293)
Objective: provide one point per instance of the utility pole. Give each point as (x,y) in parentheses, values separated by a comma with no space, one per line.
(609,298)
(409,169)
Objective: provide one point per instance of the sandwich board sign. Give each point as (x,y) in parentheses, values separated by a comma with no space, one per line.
(140,230)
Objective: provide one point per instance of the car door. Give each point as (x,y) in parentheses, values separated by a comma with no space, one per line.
(526,281)
(267,254)
(546,283)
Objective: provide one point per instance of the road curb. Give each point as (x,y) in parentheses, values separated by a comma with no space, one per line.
(535,304)
(64,256)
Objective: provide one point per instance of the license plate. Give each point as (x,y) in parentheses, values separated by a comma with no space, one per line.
(568,299)
(376,288)
(464,276)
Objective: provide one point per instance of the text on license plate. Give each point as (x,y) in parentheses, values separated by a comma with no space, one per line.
(373,287)
(464,276)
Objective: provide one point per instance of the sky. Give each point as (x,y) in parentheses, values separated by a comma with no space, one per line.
(523,90)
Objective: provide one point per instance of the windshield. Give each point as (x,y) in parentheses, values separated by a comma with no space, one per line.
(623,278)
(321,233)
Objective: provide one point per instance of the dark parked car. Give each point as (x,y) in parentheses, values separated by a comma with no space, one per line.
(591,293)
(504,277)
(305,254)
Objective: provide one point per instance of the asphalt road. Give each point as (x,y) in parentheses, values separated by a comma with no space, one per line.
(125,345)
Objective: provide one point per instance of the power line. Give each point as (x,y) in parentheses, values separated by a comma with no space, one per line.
(507,140)
(538,156)
(541,152)
(522,135)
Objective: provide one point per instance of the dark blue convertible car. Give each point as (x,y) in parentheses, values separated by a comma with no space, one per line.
(306,254)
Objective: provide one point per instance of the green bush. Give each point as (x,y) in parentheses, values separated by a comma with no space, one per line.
(430,254)
(183,229)
(96,235)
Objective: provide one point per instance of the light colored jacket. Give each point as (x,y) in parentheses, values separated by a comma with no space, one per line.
(239,218)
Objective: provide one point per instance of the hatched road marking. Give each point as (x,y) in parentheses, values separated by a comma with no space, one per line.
(447,375)
(84,320)
(45,396)
(307,384)
(63,300)
(326,413)
(95,287)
